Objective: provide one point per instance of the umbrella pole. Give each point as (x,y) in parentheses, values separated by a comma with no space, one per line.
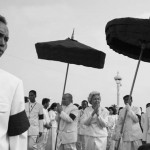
(65,79)
(61,102)
(121,132)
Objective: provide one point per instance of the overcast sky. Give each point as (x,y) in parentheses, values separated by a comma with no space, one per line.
(32,21)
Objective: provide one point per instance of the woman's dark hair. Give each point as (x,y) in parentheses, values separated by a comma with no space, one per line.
(80,107)
(76,105)
(52,107)
(113,109)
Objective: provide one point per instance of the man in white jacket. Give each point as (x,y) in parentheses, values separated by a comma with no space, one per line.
(34,113)
(14,122)
(67,134)
(132,134)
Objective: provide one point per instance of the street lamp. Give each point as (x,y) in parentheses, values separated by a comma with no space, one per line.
(118,82)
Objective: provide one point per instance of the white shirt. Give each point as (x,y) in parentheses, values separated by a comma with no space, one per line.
(36,124)
(52,116)
(96,125)
(46,119)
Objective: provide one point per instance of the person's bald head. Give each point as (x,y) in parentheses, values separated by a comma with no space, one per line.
(67,99)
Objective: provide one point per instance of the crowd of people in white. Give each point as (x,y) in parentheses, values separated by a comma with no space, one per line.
(66,126)
(87,127)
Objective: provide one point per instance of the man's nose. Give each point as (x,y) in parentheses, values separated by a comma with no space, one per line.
(2,41)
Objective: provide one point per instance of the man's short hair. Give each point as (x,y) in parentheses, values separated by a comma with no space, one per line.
(147,105)
(45,101)
(33,91)
(3,20)
(127,96)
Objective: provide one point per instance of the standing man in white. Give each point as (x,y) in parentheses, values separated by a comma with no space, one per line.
(34,112)
(67,132)
(14,122)
(132,134)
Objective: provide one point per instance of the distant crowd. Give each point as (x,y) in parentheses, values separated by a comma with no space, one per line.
(89,126)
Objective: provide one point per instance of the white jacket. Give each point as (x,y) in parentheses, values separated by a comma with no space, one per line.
(131,130)
(13,119)
(96,125)
(68,127)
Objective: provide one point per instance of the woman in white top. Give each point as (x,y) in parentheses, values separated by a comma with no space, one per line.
(53,131)
(95,118)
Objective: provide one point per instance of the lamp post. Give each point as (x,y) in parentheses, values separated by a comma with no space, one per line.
(118,82)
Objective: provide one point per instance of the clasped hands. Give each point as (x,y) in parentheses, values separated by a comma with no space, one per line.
(128,107)
(96,110)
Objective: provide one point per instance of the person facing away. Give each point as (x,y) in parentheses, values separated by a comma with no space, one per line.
(95,118)
(132,134)
(81,127)
(67,132)
(46,124)
(14,122)
(52,111)
(146,125)
(143,116)
(34,113)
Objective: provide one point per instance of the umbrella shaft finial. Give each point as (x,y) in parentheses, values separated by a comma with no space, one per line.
(72,36)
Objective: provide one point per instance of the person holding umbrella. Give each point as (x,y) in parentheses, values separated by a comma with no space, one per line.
(132,133)
(95,118)
(67,131)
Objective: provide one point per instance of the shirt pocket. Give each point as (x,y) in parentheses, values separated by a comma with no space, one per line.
(4,107)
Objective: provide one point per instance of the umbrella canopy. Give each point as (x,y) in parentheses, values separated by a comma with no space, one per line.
(125,35)
(72,52)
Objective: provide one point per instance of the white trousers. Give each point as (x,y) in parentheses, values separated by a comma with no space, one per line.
(81,142)
(51,141)
(95,143)
(42,144)
(130,145)
(71,146)
(32,145)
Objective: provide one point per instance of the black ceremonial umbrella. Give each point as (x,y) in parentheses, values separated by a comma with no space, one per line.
(130,37)
(72,52)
